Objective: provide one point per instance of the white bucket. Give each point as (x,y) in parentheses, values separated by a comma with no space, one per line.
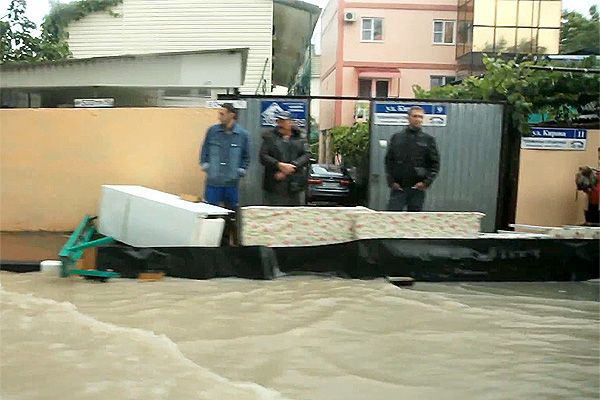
(51,267)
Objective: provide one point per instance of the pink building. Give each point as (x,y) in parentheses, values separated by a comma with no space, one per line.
(383,48)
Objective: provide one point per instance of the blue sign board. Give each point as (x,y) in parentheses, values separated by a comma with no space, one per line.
(397,114)
(270,108)
(555,139)
(563,133)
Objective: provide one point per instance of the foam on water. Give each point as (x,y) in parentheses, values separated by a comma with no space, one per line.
(298,338)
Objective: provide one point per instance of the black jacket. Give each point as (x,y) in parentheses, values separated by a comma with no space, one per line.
(275,149)
(412,156)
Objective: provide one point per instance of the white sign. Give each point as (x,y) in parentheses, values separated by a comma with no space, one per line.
(219,103)
(397,114)
(555,139)
(94,103)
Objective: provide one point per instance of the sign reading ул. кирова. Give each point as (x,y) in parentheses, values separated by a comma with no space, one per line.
(397,114)
(555,139)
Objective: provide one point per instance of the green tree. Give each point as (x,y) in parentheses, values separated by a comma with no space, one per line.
(19,41)
(579,33)
(351,142)
(526,90)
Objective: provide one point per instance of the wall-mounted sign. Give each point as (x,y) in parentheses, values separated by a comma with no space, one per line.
(555,139)
(94,103)
(269,110)
(397,114)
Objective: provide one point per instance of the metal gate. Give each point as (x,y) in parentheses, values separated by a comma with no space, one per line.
(469,139)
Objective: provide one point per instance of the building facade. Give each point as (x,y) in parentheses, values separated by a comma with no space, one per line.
(276,47)
(381,49)
(505,26)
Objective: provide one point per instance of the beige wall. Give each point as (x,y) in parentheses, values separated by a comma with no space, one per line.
(547,185)
(327,107)
(406,55)
(407,37)
(421,77)
(54,161)
(329,37)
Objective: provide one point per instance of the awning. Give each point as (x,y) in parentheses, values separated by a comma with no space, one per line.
(218,69)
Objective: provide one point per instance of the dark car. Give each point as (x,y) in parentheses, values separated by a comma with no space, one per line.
(330,184)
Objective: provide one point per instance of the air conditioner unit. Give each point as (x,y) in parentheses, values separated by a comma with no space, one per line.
(349,16)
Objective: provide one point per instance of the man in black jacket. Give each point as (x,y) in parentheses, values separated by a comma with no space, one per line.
(285,154)
(411,164)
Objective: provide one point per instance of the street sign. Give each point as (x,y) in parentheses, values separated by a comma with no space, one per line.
(397,114)
(94,103)
(555,139)
(269,110)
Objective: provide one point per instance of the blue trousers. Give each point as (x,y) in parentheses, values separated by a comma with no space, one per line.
(409,198)
(226,196)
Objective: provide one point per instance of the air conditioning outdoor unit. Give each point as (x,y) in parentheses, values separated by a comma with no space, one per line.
(349,16)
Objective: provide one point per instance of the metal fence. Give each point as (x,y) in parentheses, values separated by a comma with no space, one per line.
(255,118)
(469,146)
(469,141)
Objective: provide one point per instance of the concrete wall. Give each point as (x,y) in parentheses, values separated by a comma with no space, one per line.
(53,161)
(547,184)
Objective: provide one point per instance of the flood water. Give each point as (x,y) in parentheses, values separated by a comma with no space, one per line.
(296,338)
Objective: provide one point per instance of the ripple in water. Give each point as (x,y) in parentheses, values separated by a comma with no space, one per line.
(296,338)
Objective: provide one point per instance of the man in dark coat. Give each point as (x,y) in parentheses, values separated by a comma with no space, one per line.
(412,163)
(285,155)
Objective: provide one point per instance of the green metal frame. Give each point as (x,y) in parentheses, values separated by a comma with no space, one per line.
(80,240)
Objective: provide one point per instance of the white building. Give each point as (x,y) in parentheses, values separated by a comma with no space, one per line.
(276,32)
(124,80)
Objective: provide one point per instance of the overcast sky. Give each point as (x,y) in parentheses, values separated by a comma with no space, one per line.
(37,9)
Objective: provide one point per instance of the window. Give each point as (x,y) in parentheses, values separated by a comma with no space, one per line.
(438,80)
(364,87)
(443,32)
(372,29)
(381,88)
(373,88)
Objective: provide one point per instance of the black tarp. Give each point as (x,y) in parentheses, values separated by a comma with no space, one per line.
(432,260)
(423,259)
(451,260)
(19,266)
(188,262)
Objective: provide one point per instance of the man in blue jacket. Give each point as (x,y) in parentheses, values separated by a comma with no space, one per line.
(224,157)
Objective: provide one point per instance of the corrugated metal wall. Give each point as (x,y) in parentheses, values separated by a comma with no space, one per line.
(470,160)
(144,26)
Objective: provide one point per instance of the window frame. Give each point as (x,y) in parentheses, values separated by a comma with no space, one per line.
(444,80)
(362,29)
(443,32)
(373,88)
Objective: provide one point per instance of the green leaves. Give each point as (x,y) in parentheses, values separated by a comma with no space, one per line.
(18,43)
(352,143)
(580,33)
(525,90)
(61,15)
